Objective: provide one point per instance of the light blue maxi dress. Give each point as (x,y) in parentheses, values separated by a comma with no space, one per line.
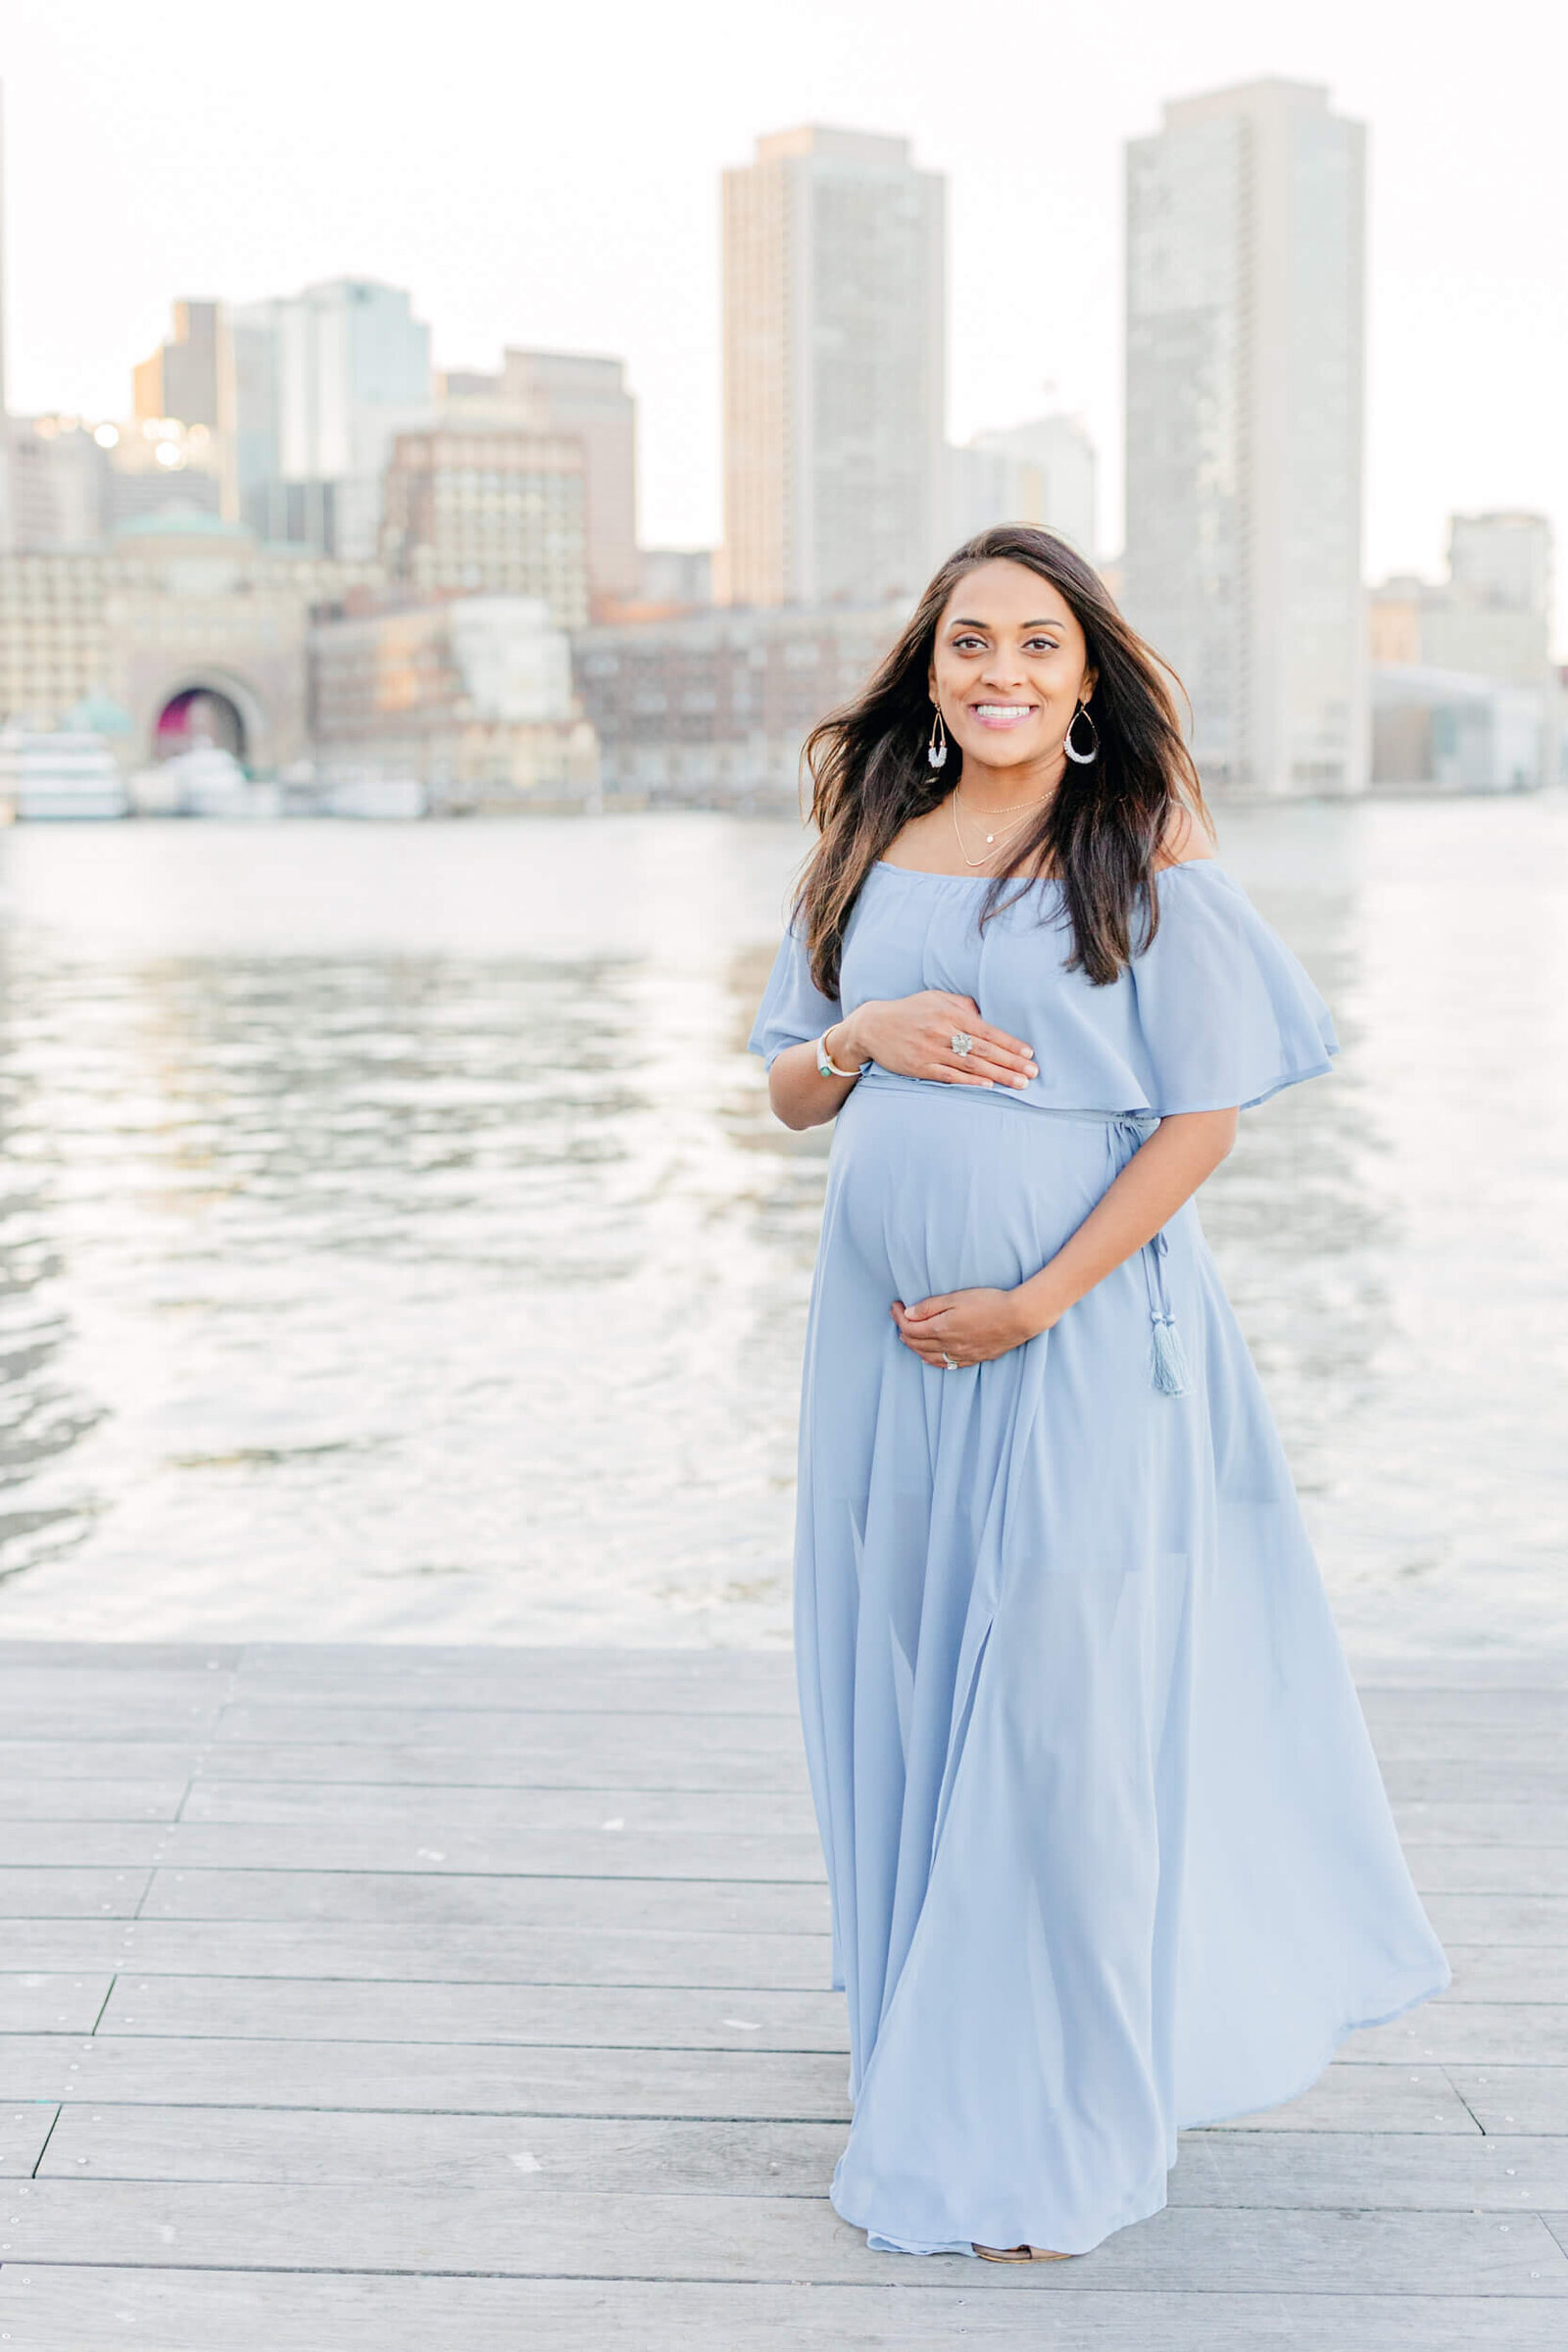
(1109,1850)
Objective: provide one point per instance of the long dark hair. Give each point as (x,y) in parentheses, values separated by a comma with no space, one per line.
(1099,834)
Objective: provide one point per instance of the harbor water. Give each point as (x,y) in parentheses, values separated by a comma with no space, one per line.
(395,1242)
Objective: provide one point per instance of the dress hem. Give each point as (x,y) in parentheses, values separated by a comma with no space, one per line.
(878,2241)
(1335,2042)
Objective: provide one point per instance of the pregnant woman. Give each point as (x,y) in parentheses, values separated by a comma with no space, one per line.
(1108,1847)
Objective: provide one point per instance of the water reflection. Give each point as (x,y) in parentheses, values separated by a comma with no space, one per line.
(395,1240)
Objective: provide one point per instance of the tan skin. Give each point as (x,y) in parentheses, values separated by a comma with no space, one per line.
(1010,668)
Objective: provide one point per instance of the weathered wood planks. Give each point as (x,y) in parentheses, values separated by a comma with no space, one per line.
(391,1997)
(182,2311)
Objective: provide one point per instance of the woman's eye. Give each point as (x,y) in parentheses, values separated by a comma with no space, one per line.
(1040,645)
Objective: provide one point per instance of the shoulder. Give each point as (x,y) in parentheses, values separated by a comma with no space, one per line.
(1187,840)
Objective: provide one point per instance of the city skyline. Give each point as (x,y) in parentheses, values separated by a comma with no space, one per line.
(600,229)
(314,429)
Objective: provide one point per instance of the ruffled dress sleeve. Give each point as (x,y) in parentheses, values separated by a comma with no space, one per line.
(1228,1016)
(794,1009)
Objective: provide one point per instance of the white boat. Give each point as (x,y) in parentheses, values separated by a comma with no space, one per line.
(60,777)
(398,798)
(207,781)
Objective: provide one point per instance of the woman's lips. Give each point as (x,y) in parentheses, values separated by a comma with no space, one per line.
(1002,715)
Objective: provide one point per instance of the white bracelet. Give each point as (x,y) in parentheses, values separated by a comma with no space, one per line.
(826,1067)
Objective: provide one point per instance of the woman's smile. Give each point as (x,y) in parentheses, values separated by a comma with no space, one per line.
(1003,715)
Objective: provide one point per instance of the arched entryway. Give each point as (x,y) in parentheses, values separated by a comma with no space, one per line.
(199,715)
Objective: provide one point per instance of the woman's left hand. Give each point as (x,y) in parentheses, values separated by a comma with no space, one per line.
(969,1327)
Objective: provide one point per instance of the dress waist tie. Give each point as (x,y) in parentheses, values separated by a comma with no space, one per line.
(1167,1358)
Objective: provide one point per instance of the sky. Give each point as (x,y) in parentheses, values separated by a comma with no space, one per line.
(550,177)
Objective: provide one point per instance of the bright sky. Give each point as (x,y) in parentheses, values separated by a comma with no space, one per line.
(550,176)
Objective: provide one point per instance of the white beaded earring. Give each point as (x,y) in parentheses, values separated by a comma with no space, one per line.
(1082,759)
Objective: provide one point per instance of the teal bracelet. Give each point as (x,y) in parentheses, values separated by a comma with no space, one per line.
(826,1067)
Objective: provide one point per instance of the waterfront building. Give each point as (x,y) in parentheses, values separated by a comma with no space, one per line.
(54,636)
(1491,616)
(1243,422)
(190,376)
(835,354)
(323,382)
(158,464)
(672,578)
(1494,615)
(1393,610)
(470,697)
(183,393)
(295,404)
(1041,473)
(489,507)
(59,467)
(1463,689)
(574,396)
(256,341)
(713,708)
(1446,730)
(73,482)
(173,609)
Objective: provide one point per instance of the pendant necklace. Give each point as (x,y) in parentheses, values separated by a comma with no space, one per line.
(1004,834)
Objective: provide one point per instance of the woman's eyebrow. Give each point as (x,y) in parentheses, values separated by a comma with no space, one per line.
(986,624)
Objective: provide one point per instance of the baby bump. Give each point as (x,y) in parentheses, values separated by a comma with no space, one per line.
(942,1188)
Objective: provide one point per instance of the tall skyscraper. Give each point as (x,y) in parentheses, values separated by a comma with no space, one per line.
(255,339)
(1246,225)
(188,376)
(191,377)
(323,384)
(835,366)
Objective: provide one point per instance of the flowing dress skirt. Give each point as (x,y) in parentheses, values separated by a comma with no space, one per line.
(1108,1847)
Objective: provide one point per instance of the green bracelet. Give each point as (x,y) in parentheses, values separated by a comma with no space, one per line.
(826,1067)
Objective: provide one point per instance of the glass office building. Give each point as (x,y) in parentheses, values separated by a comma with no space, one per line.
(1245,334)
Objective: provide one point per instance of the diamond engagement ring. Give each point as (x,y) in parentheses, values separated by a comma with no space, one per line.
(950,1363)
(962,1043)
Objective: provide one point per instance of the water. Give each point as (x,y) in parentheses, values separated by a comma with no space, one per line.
(394,1241)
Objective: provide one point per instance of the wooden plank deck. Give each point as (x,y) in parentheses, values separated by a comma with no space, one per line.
(450,2002)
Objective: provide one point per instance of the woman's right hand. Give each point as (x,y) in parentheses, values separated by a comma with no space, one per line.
(913,1037)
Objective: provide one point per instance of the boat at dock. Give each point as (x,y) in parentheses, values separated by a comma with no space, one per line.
(59,777)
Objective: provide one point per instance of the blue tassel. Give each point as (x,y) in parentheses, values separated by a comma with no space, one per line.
(1168,1361)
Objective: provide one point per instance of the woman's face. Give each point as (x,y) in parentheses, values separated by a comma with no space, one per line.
(1008,667)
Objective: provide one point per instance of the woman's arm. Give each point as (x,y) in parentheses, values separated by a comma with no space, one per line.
(912,1036)
(974,1326)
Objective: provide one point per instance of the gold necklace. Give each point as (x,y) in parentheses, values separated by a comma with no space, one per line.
(1038,801)
(1007,833)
